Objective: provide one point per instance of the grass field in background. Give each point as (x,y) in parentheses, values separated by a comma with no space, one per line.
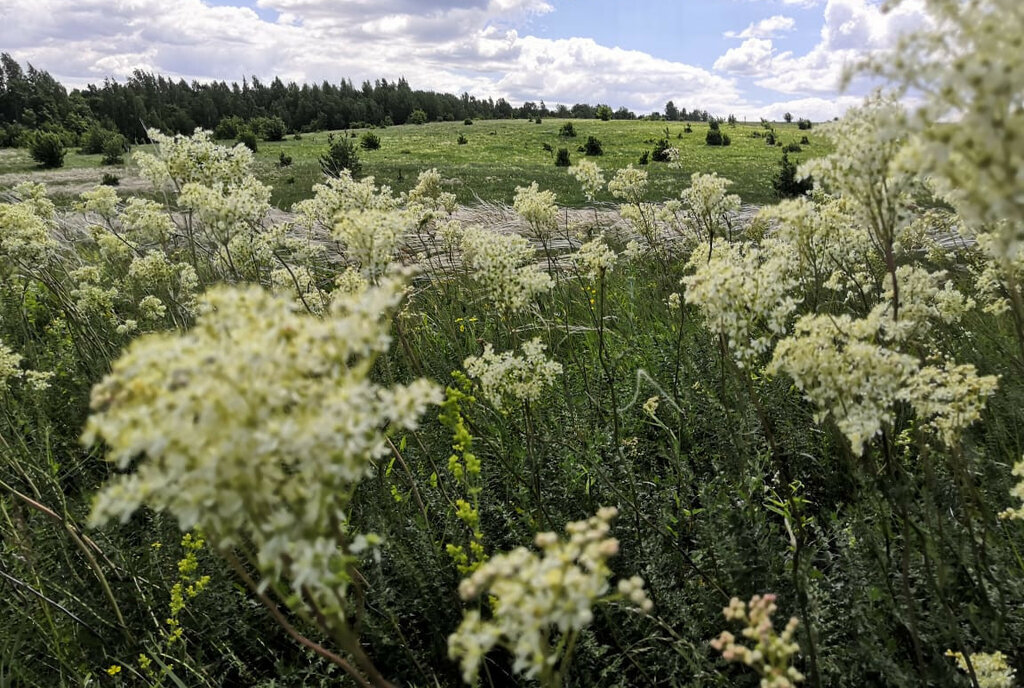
(499,156)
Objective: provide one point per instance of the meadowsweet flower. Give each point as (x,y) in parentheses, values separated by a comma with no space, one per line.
(629,184)
(195,159)
(991,669)
(744,293)
(595,259)
(708,206)
(651,406)
(674,301)
(102,200)
(772,651)
(340,194)
(538,209)
(501,265)
(532,593)
(146,221)
(590,177)
(10,366)
(506,378)
(26,240)
(227,210)
(950,397)
(255,425)
(1017,491)
(428,199)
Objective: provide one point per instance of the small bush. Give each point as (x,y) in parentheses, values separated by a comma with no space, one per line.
(562,158)
(660,153)
(785,183)
(581,149)
(12,135)
(228,128)
(270,128)
(462,140)
(537,121)
(47,149)
(593,146)
(548,148)
(247,137)
(284,160)
(567,130)
(110,180)
(417,117)
(369,141)
(792,148)
(93,140)
(688,129)
(732,120)
(769,138)
(113,150)
(468,122)
(645,157)
(714,125)
(341,155)
(804,124)
(805,141)
(297,137)
(714,138)
(388,122)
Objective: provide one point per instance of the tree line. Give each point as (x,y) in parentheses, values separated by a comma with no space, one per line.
(31,99)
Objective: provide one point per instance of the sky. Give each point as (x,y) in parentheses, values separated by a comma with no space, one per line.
(750,58)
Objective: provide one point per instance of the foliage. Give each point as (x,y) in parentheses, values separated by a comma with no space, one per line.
(562,158)
(567,130)
(341,155)
(114,149)
(593,146)
(47,149)
(369,141)
(417,117)
(787,181)
(247,137)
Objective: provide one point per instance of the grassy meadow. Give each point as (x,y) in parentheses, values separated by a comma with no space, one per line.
(499,156)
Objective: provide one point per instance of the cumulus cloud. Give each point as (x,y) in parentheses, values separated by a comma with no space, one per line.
(766,28)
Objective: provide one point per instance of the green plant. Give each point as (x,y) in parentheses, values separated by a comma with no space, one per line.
(786,182)
(110,180)
(341,155)
(468,122)
(47,149)
(114,149)
(562,158)
(644,157)
(369,141)
(593,146)
(247,137)
(567,130)
(284,160)
(418,117)
(462,140)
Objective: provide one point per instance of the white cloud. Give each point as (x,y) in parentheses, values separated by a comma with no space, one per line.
(752,57)
(766,28)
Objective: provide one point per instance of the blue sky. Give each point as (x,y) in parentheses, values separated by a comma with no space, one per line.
(746,57)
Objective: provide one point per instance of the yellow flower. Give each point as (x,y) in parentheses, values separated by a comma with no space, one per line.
(114,669)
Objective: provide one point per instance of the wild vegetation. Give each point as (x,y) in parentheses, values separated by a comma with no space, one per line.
(377,442)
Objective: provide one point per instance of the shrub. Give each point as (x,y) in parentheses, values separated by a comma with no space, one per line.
(567,130)
(726,141)
(804,124)
(548,148)
(271,128)
(562,158)
(247,137)
(688,129)
(228,128)
(468,122)
(284,160)
(110,180)
(644,157)
(462,140)
(714,138)
(805,141)
(369,141)
(94,140)
(604,112)
(537,121)
(732,120)
(769,138)
(792,148)
(417,117)
(785,183)
(388,122)
(297,137)
(113,150)
(660,153)
(47,149)
(12,135)
(714,125)
(593,146)
(341,155)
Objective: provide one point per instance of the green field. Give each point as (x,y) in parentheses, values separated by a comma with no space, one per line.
(499,156)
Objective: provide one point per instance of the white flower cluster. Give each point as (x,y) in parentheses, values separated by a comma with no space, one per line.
(341,194)
(506,378)
(590,177)
(197,159)
(595,259)
(976,79)
(502,266)
(538,209)
(26,240)
(991,668)
(1017,492)
(744,292)
(372,237)
(228,210)
(925,299)
(255,426)
(146,221)
(428,200)
(772,651)
(533,593)
(708,205)
(839,366)
(629,184)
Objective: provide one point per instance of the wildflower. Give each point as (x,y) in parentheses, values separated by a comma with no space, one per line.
(674,301)
(114,669)
(707,205)
(991,669)
(371,237)
(1018,492)
(501,265)
(595,259)
(651,406)
(538,209)
(629,184)
(531,593)
(589,175)
(255,425)
(772,652)
(506,377)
